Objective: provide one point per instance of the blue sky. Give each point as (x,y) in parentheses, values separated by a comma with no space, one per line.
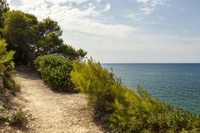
(125,31)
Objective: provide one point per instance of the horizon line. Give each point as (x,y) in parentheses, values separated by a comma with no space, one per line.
(150,63)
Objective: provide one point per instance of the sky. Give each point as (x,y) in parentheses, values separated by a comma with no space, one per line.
(125,31)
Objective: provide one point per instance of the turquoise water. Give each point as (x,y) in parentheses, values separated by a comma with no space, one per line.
(178,84)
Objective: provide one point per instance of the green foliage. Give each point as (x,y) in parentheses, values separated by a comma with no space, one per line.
(128,110)
(17,119)
(7,67)
(31,38)
(55,71)
(69,52)
(49,37)
(7,106)
(100,88)
(3,119)
(3,8)
(20,32)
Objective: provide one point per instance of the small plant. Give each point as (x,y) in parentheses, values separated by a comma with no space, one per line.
(7,106)
(18,119)
(3,119)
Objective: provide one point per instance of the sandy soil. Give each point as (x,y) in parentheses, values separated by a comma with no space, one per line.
(52,112)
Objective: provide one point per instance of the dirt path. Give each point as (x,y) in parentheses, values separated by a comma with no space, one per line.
(53,112)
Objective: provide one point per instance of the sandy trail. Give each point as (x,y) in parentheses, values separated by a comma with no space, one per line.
(53,112)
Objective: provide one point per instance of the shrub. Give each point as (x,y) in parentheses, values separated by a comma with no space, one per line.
(55,71)
(18,119)
(128,110)
(15,119)
(6,68)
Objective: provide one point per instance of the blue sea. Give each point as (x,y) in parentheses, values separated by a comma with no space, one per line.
(178,84)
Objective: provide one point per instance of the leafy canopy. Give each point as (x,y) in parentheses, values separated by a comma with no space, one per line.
(3,8)
(31,38)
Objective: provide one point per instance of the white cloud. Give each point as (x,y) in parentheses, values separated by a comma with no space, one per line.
(142,1)
(134,16)
(107,7)
(146,10)
(151,2)
(157,2)
(146,7)
(96,28)
(67,1)
(98,1)
(15,4)
(91,5)
(74,18)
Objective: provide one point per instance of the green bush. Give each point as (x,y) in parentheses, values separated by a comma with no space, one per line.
(55,71)
(15,119)
(6,68)
(128,110)
(18,119)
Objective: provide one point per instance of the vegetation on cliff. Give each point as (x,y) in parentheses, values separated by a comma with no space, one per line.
(127,110)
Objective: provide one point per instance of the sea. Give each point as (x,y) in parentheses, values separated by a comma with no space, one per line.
(177,84)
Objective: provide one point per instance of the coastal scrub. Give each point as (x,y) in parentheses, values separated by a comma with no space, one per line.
(128,110)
